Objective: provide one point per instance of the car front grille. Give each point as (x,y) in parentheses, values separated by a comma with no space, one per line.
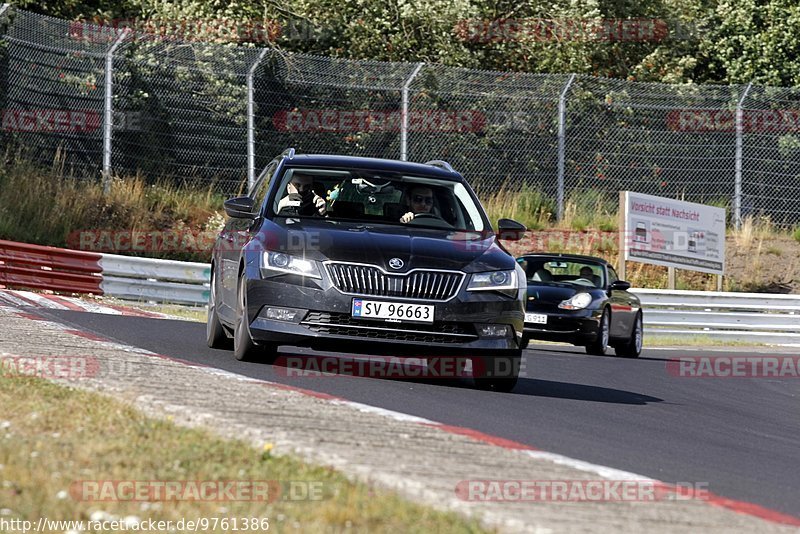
(372,281)
(342,324)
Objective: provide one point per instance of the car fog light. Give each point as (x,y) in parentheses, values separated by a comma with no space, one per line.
(493,330)
(281,314)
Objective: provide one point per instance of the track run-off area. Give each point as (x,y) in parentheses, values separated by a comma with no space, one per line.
(737,436)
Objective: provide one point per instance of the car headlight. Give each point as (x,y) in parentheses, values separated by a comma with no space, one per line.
(577,302)
(503,281)
(274,263)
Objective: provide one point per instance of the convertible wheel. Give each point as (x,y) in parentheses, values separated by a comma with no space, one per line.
(215,334)
(244,349)
(598,346)
(496,373)
(633,348)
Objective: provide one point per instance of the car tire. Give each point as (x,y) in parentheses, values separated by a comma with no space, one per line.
(216,338)
(487,376)
(244,348)
(599,346)
(633,347)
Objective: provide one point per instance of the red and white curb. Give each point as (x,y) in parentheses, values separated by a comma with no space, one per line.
(30,299)
(605,472)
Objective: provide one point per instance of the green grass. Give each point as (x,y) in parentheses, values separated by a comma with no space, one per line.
(52,435)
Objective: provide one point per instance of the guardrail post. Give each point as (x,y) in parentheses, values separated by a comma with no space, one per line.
(562,132)
(251,123)
(108,115)
(404,113)
(737,194)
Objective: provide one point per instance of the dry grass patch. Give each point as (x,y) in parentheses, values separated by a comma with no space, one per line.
(52,435)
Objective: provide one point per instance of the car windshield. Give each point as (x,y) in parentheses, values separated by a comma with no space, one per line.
(362,195)
(542,270)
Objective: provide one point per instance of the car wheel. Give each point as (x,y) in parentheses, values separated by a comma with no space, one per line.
(244,348)
(215,333)
(633,347)
(600,344)
(496,373)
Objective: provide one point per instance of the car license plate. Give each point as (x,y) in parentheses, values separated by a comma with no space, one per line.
(537,318)
(393,311)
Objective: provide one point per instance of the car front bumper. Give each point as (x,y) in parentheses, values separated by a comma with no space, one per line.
(323,321)
(578,327)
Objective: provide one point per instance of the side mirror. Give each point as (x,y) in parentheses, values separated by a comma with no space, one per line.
(620,285)
(510,229)
(240,208)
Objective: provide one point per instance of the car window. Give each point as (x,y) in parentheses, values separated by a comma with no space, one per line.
(387,198)
(555,270)
(262,184)
(612,275)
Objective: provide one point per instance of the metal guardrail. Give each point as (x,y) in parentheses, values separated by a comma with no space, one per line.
(742,317)
(54,268)
(738,317)
(152,279)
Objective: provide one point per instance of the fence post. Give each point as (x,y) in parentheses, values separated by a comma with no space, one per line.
(251,123)
(737,194)
(108,115)
(562,131)
(404,114)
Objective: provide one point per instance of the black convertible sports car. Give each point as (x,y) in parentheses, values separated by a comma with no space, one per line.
(580,300)
(367,255)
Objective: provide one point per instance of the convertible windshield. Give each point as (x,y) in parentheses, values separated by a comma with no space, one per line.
(563,271)
(361,195)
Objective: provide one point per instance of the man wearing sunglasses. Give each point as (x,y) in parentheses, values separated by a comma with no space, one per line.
(419,199)
(301,198)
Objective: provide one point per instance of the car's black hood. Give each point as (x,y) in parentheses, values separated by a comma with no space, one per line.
(376,244)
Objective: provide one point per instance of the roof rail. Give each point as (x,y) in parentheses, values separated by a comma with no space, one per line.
(441,164)
(289,152)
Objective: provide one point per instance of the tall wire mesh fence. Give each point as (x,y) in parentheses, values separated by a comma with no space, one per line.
(206,113)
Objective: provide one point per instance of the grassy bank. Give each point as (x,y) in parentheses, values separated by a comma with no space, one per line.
(41,205)
(52,436)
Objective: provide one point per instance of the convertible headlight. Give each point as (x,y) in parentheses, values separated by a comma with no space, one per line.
(275,263)
(577,302)
(502,281)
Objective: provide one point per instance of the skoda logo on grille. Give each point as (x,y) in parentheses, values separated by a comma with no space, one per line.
(396,263)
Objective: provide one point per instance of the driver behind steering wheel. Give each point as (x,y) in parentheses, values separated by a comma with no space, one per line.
(419,199)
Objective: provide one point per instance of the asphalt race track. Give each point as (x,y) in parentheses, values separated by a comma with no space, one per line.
(739,435)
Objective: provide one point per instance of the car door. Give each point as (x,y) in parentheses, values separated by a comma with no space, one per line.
(623,306)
